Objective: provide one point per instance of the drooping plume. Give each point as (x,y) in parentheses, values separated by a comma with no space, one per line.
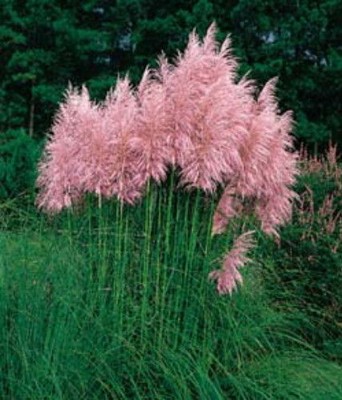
(229,276)
(269,166)
(228,207)
(279,169)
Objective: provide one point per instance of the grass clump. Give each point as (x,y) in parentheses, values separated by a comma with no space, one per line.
(114,303)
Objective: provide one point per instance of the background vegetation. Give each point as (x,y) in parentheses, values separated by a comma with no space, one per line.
(47,43)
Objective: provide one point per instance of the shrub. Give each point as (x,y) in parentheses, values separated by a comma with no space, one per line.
(308,261)
(18,157)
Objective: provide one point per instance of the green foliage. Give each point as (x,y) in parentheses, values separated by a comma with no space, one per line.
(115,303)
(308,262)
(46,44)
(18,158)
(167,28)
(297,41)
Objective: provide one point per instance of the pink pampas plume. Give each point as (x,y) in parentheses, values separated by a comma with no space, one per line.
(229,276)
(228,207)
(119,113)
(269,166)
(149,142)
(59,180)
(275,195)
(256,149)
(93,161)
(210,113)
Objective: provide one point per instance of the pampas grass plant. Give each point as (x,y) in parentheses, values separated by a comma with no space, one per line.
(193,116)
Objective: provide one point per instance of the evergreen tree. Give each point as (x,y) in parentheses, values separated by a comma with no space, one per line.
(299,41)
(47,43)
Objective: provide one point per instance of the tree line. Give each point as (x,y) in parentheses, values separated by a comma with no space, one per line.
(47,43)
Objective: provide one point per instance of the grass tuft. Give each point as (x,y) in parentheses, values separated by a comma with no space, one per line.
(115,303)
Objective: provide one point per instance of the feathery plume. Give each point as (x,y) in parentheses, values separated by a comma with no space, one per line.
(149,142)
(209,113)
(228,276)
(279,170)
(120,111)
(59,181)
(92,163)
(269,162)
(227,208)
